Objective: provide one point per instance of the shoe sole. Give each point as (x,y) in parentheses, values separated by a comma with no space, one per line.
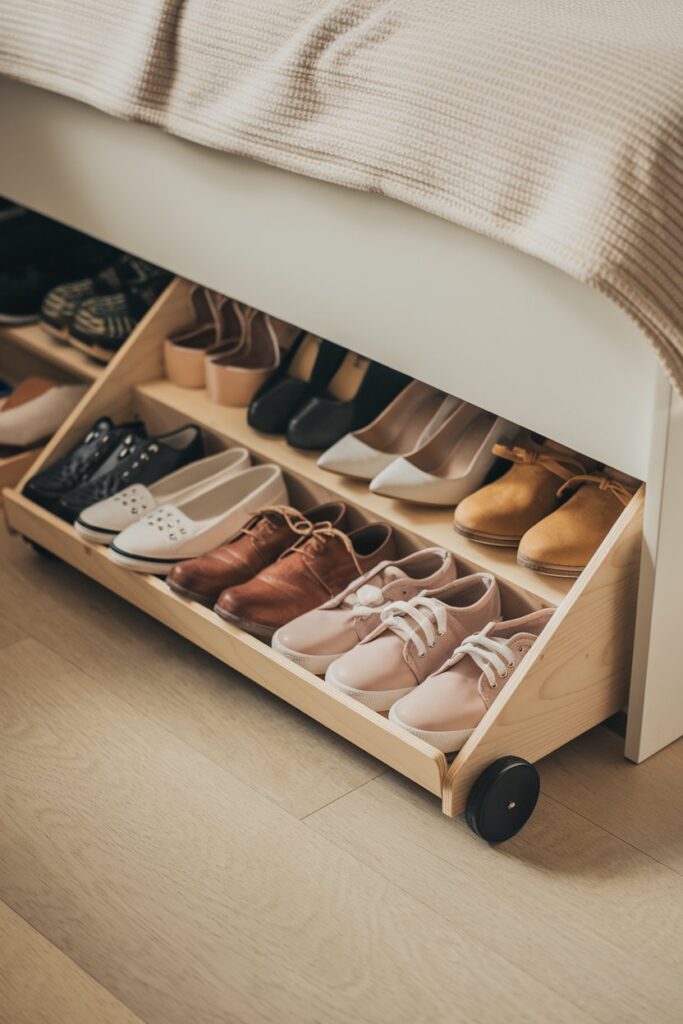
(8,320)
(154,568)
(487,538)
(60,334)
(190,594)
(94,535)
(547,569)
(318,664)
(101,355)
(376,700)
(256,629)
(448,742)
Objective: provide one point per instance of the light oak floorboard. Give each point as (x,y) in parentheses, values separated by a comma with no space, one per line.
(40,985)
(192,898)
(274,748)
(598,921)
(642,804)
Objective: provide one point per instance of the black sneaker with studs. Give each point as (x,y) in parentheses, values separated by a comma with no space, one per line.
(137,460)
(80,463)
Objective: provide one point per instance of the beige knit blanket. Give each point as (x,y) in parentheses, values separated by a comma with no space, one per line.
(555,126)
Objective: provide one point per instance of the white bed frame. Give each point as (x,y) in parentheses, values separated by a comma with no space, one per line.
(441,303)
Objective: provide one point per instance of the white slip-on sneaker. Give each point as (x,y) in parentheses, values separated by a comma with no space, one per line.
(103,521)
(35,410)
(451,464)
(174,533)
(403,427)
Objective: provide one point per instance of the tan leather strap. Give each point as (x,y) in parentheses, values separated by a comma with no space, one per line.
(605,483)
(563,465)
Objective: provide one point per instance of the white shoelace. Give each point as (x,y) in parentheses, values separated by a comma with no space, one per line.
(429,617)
(493,657)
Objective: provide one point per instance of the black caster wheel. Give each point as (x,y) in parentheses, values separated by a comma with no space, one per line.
(503,799)
(40,550)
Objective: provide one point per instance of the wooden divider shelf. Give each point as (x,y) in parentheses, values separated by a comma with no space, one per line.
(36,342)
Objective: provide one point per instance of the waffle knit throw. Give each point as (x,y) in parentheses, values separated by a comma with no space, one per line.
(555,126)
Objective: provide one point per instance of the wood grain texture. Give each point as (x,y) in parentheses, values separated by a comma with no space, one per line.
(597,920)
(40,985)
(191,898)
(38,343)
(14,467)
(641,805)
(276,750)
(327,705)
(575,676)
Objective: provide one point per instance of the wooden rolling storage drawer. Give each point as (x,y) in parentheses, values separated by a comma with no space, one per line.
(575,676)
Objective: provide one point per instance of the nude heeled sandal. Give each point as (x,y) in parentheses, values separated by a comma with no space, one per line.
(219,323)
(235,373)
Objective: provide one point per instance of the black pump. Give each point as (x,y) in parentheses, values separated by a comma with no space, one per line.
(302,374)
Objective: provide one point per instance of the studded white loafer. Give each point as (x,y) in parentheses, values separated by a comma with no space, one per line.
(103,521)
(173,533)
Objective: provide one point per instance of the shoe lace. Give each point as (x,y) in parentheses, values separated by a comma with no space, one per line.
(429,621)
(270,515)
(493,657)
(562,464)
(314,536)
(622,492)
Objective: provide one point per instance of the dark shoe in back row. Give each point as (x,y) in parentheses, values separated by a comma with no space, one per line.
(62,303)
(305,371)
(26,236)
(356,394)
(80,463)
(23,288)
(102,324)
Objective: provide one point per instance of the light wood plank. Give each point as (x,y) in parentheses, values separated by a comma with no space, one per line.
(327,705)
(434,525)
(191,898)
(40,985)
(600,922)
(575,676)
(643,805)
(35,341)
(14,467)
(275,749)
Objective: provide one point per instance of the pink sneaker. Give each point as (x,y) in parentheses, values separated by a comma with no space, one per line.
(413,639)
(319,637)
(449,705)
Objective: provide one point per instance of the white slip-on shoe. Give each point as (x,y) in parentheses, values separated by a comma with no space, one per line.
(403,427)
(174,533)
(103,521)
(35,410)
(451,464)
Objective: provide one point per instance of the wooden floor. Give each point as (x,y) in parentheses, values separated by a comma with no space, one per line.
(179,847)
